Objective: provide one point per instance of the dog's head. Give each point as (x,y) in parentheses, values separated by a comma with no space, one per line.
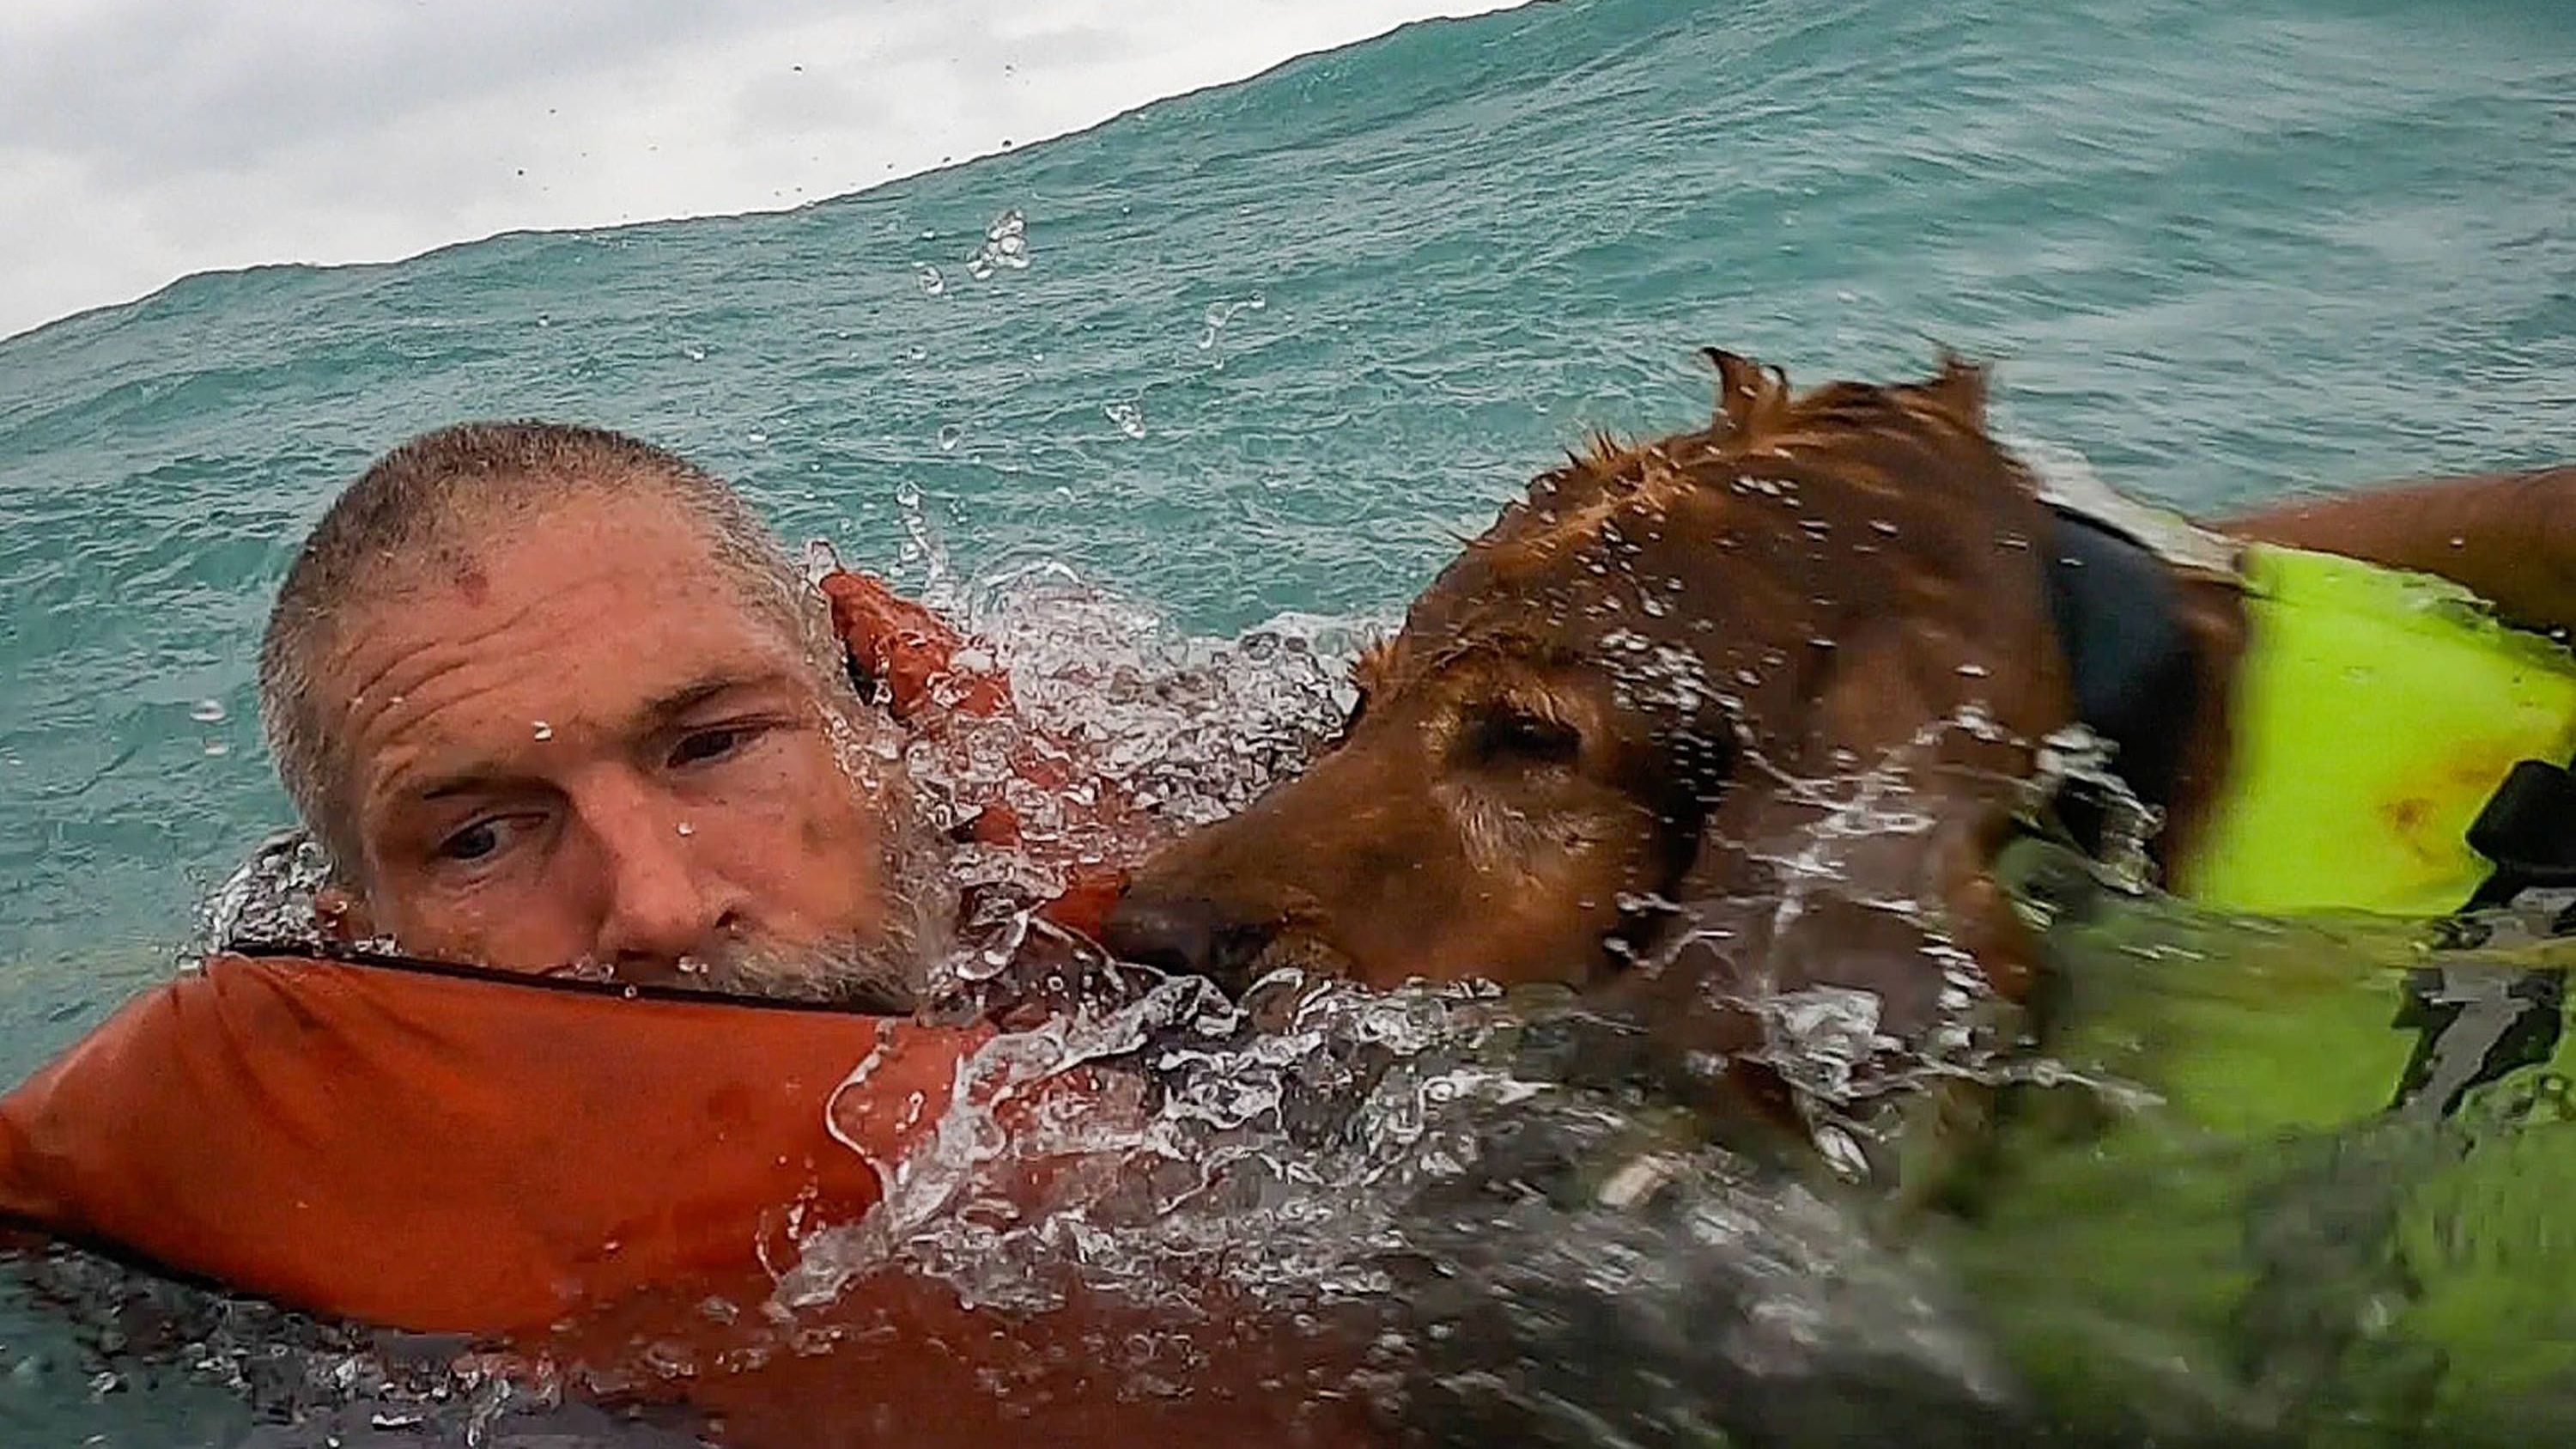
(1636,690)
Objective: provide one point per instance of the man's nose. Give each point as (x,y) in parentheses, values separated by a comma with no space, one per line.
(662,905)
(1187,934)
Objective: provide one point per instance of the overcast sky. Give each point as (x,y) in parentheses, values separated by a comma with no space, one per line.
(141,140)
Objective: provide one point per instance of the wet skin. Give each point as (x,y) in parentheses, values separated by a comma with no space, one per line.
(575,745)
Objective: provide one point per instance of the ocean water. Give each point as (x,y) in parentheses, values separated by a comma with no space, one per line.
(1274,347)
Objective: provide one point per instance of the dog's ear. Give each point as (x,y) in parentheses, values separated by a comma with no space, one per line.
(1959,390)
(1891,790)
(1750,397)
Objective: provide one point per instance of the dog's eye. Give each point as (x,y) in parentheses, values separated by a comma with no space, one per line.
(1507,733)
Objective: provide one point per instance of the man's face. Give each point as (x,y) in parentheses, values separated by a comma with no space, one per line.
(575,745)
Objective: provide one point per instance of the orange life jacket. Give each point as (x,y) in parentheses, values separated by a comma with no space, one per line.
(606,1182)
(446,1149)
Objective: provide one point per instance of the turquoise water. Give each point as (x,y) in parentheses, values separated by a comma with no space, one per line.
(1278,344)
(2223,250)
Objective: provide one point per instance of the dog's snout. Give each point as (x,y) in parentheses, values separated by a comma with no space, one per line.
(1184,934)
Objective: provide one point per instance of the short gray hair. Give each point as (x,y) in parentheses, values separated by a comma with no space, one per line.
(425,505)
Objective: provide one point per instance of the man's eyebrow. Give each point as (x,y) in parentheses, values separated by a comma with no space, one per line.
(674,703)
(654,712)
(444,787)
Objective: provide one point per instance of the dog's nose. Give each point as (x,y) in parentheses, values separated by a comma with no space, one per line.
(1184,934)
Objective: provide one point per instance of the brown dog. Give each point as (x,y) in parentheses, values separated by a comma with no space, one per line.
(1808,638)
(1744,710)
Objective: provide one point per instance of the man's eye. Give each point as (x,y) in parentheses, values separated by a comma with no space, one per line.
(699,746)
(478,841)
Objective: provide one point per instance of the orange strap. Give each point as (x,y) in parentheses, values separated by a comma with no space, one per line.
(913,653)
(444,1150)
(909,650)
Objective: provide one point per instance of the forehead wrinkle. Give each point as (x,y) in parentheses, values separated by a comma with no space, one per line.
(437,660)
(393,782)
(458,649)
(602,574)
(394,593)
(448,655)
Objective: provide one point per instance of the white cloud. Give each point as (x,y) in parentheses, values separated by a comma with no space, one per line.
(141,141)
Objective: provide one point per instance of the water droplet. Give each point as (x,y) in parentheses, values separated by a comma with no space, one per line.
(687,829)
(1128,416)
(1974,671)
(207,711)
(950,435)
(694,354)
(1219,314)
(544,731)
(1006,246)
(1841,1151)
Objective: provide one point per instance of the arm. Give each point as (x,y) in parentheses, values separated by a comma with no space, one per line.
(931,679)
(910,652)
(2509,537)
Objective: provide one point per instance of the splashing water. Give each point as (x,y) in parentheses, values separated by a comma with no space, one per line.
(1219,316)
(1418,1171)
(1441,1176)
(1446,1171)
(269,899)
(1489,1208)
(1005,247)
(254,1376)
(1126,733)
(1496,1194)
